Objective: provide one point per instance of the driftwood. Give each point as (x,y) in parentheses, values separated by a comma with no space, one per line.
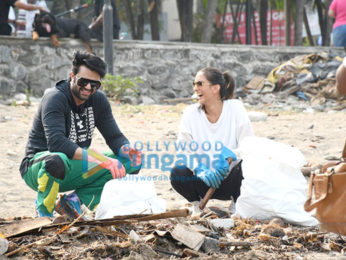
(291,90)
(42,242)
(24,226)
(34,225)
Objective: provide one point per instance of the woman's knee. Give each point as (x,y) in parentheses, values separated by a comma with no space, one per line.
(179,172)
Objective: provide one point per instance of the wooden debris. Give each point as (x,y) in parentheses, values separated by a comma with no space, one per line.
(42,242)
(3,245)
(188,236)
(175,237)
(256,83)
(166,252)
(289,91)
(200,228)
(187,252)
(24,226)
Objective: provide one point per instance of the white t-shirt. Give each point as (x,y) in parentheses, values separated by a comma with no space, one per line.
(205,138)
(28,17)
(12,16)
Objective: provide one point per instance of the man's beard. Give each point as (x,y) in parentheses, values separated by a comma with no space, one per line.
(76,92)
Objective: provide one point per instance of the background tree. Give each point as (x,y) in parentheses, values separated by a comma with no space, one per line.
(185,11)
(298,22)
(307,28)
(209,21)
(140,18)
(136,26)
(263,9)
(222,29)
(324,20)
(288,8)
(153,9)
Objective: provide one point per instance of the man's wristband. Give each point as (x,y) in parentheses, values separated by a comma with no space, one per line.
(124,150)
(84,160)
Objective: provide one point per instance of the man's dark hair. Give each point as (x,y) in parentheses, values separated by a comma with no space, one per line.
(89,60)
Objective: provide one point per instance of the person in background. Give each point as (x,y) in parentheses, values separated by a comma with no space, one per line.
(97,23)
(12,21)
(217,118)
(337,10)
(28,17)
(5,28)
(57,156)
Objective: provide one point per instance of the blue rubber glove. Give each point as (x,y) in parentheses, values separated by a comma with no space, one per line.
(227,153)
(209,177)
(221,166)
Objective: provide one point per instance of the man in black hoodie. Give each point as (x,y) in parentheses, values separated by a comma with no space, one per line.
(56,157)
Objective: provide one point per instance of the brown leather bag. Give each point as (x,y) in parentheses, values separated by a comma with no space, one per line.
(327,194)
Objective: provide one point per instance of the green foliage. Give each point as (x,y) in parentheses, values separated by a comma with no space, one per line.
(278,4)
(117,86)
(28,93)
(89,2)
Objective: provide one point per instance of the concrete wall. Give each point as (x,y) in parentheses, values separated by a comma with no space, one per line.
(166,68)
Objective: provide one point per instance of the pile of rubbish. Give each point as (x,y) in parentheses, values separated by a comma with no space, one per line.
(310,77)
(213,234)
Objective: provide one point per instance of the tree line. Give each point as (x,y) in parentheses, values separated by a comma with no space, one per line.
(198,23)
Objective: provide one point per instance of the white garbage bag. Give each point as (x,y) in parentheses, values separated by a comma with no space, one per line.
(132,194)
(273,184)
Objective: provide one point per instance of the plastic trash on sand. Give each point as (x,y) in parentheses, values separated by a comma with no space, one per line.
(273,184)
(126,196)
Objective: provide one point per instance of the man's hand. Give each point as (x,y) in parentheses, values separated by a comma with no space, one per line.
(135,156)
(20,23)
(115,167)
(41,9)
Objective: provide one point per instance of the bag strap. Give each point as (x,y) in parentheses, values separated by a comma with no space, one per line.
(343,156)
(308,206)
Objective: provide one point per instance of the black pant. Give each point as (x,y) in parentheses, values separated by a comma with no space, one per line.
(193,189)
(5,29)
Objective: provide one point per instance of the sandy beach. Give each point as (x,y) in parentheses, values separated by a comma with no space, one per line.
(319,135)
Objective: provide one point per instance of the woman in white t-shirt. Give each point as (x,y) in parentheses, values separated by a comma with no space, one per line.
(209,135)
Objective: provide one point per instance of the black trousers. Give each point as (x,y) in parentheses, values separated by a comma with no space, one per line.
(5,29)
(193,189)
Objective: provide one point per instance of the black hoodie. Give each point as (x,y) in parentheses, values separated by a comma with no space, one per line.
(62,126)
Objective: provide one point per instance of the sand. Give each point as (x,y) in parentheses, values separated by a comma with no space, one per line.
(320,136)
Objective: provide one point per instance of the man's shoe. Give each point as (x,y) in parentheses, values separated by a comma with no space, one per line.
(41,214)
